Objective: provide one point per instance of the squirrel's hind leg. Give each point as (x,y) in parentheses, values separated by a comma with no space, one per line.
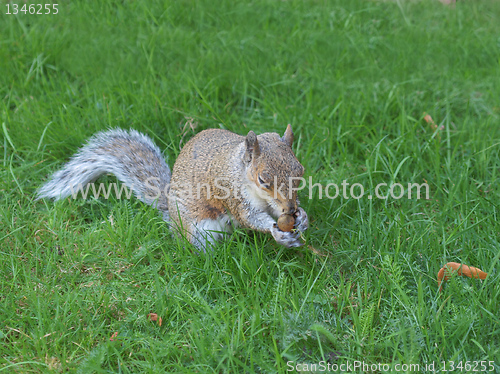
(207,231)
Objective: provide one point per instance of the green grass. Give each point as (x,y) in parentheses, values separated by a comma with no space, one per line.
(354,78)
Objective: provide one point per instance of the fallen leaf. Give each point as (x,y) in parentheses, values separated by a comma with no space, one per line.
(429,119)
(461,269)
(434,127)
(154,317)
(317,251)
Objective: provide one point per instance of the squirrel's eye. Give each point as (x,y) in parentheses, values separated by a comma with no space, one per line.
(264,184)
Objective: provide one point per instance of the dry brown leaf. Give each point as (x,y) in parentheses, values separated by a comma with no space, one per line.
(154,317)
(460,269)
(429,119)
(434,127)
(317,251)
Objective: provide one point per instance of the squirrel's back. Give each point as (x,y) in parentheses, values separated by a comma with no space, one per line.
(206,151)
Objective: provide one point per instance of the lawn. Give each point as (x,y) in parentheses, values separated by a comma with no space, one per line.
(377,92)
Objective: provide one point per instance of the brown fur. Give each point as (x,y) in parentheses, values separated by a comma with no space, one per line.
(216,153)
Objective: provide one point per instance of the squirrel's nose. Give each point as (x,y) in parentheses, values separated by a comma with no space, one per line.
(290,209)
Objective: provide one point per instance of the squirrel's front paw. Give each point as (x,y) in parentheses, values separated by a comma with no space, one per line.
(287,239)
(301,220)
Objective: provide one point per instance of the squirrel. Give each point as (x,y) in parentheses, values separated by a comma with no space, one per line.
(220,180)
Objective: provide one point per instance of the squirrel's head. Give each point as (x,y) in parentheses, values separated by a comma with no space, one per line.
(273,170)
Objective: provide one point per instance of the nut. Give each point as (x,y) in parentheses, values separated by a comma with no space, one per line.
(286,222)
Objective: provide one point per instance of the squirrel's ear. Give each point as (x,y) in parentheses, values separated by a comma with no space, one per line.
(288,137)
(253,148)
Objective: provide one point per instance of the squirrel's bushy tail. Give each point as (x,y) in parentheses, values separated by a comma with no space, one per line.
(131,156)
